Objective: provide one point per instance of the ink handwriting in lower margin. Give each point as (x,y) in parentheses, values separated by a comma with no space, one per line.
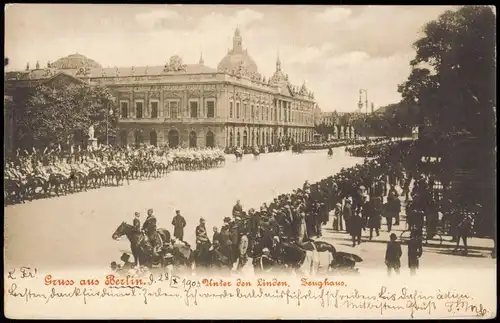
(401,301)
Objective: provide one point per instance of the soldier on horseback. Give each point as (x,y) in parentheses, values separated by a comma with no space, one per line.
(150,229)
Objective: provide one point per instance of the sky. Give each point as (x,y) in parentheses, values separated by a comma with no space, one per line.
(335,50)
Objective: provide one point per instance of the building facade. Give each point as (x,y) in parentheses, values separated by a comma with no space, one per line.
(195,105)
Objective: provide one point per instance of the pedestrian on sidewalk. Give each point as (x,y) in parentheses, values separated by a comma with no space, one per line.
(372,211)
(347,213)
(337,218)
(415,251)
(393,255)
(393,209)
(464,230)
(355,227)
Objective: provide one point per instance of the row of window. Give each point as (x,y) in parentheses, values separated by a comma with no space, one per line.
(264,113)
(171,109)
(171,138)
(264,138)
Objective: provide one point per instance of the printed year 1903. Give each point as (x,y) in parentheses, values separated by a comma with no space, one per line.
(173,281)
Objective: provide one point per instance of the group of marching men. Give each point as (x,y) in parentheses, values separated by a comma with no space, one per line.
(358,196)
(21,170)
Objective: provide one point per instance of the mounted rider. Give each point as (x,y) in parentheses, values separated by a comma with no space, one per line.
(202,242)
(150,229)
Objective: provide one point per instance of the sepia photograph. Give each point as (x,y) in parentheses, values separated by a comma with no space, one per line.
(249,161)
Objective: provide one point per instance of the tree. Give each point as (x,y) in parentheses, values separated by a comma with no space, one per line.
(452,83)
(453,74)
(51,116)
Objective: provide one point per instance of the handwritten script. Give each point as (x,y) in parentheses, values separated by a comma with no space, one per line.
(27,285)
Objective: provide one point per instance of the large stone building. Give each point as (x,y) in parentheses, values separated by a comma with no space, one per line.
(195,105)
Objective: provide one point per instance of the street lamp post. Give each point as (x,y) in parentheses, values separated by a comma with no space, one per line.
(109,112)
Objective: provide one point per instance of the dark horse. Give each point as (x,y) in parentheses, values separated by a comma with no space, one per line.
(139,244)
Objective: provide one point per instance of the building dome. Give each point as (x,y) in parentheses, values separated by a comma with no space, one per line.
(75,61)
(237,58)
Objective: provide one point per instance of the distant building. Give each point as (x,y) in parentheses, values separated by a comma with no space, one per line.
(193,105)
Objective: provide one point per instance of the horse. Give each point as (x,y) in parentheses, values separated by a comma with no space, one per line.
(141,249)
(255,152)
(238,154)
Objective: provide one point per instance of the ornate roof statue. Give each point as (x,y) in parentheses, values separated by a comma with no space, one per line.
(83,71)
(75,61)
(117,71)
(201,62)
(146,70)
(303,89)
(237,56)
(37,65)
(263,79)
(49,71)
(28,66)
(279,77)
(133,71)
(48,64)
(175,65)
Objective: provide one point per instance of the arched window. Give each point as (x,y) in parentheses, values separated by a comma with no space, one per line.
(238,140)
(231,110)
(231,139)
(245,138)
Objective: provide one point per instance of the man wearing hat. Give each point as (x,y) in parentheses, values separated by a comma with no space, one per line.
(202,241)
(225,239)
(393,255)
(150,223)
(347,213)
(415,251)
(237,209)
(150,228)
(127,265)
(179,223)
(137,221)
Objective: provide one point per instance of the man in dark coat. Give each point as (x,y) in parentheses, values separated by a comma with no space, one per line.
(179,223)
(149,225)
(347,213)
(393,255)
(415,251)
(202,241)
(137,222)
(237,209)
(355,227)
(393,209)
(216,236)
(372,209)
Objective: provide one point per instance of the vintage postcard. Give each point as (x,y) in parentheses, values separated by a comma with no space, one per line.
(249,162)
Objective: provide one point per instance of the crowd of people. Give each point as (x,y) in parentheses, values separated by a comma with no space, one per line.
(279,233)
(30,175)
